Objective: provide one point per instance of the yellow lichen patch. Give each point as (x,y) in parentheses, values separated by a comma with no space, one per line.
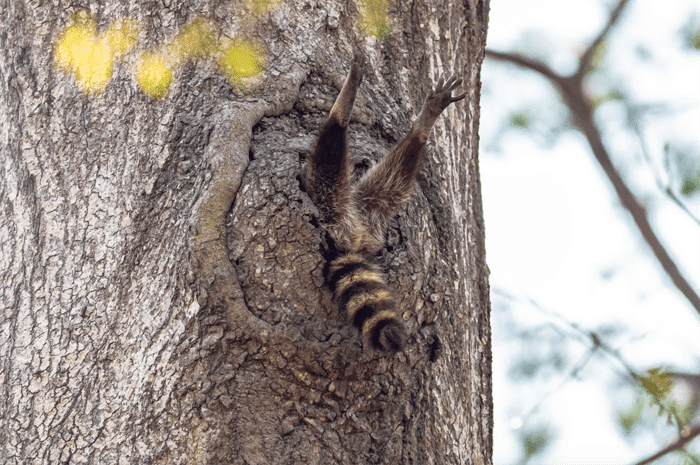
(154,76)
(196,40)
(121,36)
(257,7)
(374,20)
(241,60)
(79,51)
(90,57)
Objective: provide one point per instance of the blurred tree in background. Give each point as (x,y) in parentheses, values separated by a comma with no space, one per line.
(629,90)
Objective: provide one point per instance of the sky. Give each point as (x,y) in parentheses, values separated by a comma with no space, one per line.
(556,233)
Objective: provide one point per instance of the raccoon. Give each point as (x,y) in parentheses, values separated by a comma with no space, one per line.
(356,215)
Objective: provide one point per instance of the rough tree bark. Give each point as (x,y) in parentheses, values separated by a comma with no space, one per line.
(163,297)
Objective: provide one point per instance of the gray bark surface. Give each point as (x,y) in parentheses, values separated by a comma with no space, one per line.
(162,268)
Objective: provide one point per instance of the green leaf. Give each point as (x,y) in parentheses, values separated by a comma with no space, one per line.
(535,441)
(520,120)
(657,383)
(690,185)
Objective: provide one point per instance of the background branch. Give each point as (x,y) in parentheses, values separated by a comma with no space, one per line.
(571,89)
(687,435)
(598,345)
(586,59)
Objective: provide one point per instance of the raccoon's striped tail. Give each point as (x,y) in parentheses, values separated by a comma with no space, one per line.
(362,293)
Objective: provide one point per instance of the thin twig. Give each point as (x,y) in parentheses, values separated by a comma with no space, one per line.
(666,189)
(586,59)
(687,435)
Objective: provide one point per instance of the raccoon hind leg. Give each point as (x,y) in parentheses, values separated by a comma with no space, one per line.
(389,184)
(328,169)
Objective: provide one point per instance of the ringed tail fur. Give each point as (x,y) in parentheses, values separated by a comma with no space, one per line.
(362,293)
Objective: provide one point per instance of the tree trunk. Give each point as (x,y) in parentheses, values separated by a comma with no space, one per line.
(163,296)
